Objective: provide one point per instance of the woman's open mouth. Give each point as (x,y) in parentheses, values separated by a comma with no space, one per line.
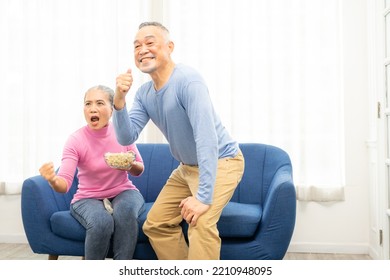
(94,119)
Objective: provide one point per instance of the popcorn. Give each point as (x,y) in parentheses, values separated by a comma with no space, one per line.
(120,160)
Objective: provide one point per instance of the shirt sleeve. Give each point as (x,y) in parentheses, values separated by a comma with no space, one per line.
(129,124)
(69,162)
(201,115)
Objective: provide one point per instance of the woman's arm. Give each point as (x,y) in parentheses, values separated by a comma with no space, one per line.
(57,183)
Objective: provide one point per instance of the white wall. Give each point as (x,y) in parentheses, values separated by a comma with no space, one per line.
(11,227)
(344,226)
(339,227)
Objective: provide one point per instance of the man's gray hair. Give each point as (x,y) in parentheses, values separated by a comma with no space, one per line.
(153,23)
(159,25)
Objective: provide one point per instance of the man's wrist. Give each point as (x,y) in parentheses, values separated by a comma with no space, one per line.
(119,106)
(119,101)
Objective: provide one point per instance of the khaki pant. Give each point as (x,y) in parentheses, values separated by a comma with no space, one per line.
(162,225)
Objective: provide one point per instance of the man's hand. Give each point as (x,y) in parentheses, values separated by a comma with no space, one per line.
(192,209)
(123,85)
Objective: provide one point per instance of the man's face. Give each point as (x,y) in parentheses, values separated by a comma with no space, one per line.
(152,49)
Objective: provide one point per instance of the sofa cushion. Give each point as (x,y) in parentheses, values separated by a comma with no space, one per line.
(237,220)
(63,224)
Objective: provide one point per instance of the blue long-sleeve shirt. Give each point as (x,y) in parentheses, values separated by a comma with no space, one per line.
(184,113)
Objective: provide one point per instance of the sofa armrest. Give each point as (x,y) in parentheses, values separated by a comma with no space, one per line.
(38,202)
(279,214)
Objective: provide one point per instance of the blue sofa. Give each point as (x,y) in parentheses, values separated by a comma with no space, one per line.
(257,223)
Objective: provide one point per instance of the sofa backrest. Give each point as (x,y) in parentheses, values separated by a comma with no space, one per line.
(261,163)
(159,163)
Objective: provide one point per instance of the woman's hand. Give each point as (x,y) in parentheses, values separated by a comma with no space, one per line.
(47,171)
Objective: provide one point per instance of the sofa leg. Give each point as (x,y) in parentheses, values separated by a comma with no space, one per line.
(53,257)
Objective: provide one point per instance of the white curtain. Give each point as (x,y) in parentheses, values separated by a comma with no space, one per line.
(51,52)
(273,68)
(274,72)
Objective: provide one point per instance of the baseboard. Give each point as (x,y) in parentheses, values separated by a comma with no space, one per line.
(375,254)
(295,247)
(329,248)
(20,238)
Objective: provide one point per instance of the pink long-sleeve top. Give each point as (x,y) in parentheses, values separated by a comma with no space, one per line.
(85,150)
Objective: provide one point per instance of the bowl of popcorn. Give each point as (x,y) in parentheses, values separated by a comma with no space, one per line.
(123,160)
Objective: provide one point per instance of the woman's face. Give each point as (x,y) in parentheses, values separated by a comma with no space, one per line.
(97,108)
